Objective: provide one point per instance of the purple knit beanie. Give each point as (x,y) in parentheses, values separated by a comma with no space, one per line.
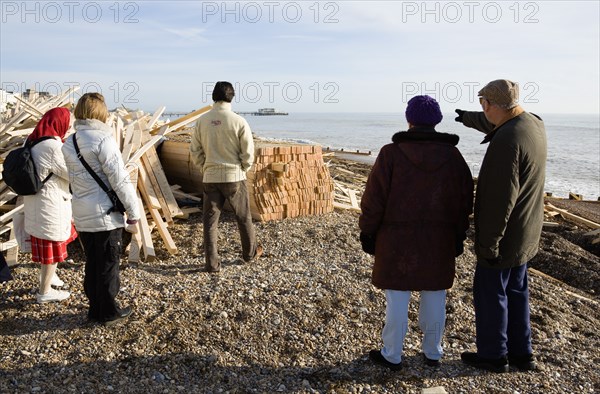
(423,111)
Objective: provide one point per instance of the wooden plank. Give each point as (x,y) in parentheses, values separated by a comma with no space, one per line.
(119,132)
(136,140)
(12,254)
(575,196)
(561,283)
(146,190)
(9,215)
(550,224)
(153,183)
(155,117)
(578,219)
(127,143)
(163,184)
(190,210)
(21,132)
(353,200)
(30,107)
(163,231)
(5,228)
(338,205)
(177,123)
(146,237)
(187,196)
(15,120)
(8,245)
(149,144)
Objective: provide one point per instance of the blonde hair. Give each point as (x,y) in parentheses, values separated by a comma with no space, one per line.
(91,106)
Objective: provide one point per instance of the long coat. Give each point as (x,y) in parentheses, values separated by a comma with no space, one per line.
(417,203)
(509,203)
(48,212)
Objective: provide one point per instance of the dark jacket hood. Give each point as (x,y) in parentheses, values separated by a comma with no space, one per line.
(425,147)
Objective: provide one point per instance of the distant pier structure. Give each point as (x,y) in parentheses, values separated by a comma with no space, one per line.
(263,112)
(260,112)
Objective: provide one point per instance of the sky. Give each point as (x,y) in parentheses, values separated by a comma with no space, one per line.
(305,56)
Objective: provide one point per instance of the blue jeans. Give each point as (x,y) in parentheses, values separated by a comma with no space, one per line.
(501,299)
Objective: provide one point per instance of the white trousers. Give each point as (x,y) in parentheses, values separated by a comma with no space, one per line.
(432,319)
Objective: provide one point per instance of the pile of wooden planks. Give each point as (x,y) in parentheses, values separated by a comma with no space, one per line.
(137,134)
(289,181)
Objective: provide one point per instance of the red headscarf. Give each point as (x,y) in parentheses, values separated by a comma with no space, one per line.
(54,123)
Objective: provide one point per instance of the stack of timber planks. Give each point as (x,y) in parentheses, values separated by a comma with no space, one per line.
(137,134)
(285,181)
(289,181)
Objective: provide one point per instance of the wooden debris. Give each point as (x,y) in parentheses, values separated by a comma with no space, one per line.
(575,196)
(595,232)
(572,217)
(347,199)
(550,224)
(561,284)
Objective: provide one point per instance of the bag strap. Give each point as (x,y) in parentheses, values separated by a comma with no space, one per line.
(88,168)
(34,143)
(30,145)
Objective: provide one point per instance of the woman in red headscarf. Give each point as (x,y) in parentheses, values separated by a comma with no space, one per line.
(48,216)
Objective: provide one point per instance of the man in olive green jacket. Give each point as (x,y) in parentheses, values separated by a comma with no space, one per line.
(509,211)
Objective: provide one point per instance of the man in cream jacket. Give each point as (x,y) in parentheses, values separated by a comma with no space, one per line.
(222,147)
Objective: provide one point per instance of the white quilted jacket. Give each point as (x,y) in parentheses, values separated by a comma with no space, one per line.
(48,213)
(90,203)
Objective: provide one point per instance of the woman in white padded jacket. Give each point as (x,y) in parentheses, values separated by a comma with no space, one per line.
(100,227)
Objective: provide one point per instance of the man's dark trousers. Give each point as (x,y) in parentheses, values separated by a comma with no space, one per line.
(501,299)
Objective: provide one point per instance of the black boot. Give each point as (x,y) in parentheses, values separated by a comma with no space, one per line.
(497,365)
(522,363)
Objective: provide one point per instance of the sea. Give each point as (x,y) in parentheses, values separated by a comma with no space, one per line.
(573,163)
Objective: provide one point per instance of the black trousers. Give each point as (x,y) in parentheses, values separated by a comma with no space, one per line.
(101,283)
(5,275)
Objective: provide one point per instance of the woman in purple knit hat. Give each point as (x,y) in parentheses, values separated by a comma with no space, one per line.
(415,214)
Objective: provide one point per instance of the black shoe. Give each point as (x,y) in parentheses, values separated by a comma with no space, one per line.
(497,365)
(92,317)
(523,363)
(377,358)
(431,363)
(121,315)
